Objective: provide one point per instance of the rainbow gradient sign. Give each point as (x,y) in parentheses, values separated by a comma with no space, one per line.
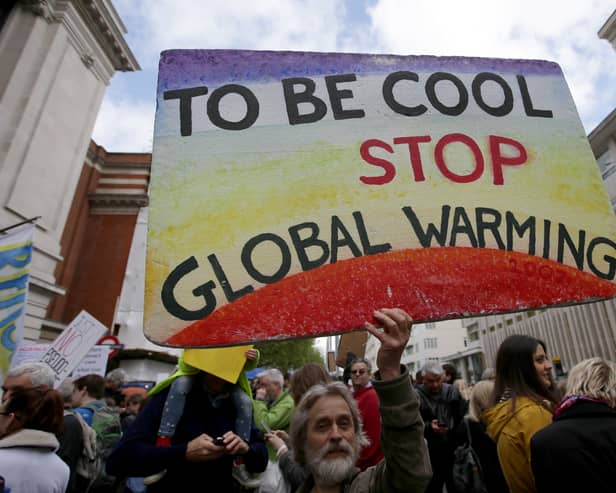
(293,193)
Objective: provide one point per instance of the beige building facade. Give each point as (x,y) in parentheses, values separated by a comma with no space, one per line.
(573,333)
(57,58)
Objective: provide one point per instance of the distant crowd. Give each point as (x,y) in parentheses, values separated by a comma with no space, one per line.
(377,431)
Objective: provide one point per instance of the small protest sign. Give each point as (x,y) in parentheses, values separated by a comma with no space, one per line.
(293,193)
(70,347)
(94,362)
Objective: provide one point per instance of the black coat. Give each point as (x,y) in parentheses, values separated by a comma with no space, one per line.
(71,445)
(485,449)
(577,452)
(137,455)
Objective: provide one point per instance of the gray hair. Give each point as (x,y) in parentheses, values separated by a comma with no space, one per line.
(40,373)
(488,374)
(275,375)
(116,377)
(66,390)
(364,361)
(594,377)
(299,422)
(432,367)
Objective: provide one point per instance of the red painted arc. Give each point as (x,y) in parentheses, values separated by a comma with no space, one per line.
(429,283)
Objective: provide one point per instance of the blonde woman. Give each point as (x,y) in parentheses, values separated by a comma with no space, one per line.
(577,452)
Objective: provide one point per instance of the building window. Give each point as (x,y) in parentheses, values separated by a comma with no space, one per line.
(430,325)
(430,343)
(474,336)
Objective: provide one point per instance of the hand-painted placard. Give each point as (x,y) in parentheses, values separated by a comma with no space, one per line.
(94,362)
(70,347)
(293,193)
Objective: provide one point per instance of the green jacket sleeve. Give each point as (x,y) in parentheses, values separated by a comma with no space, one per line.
(278,415)
(406,468)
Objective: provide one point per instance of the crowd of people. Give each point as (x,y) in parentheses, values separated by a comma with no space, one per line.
(379,431)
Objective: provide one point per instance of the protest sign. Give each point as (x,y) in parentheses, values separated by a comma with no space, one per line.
(94,362)
(70,347)
(294,193)
(353,343)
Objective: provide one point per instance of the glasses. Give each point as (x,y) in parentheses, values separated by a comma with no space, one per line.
(358,372)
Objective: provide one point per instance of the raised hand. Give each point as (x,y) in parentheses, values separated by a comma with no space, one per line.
(393,331)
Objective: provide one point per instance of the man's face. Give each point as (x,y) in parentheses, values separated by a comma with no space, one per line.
(214,384)
(111,386)
(331,451)
(77,396)
(433,383)
(23,381)
(360,376)
(272,389)
(133,407)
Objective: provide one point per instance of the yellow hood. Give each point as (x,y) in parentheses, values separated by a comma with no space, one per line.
(498,417)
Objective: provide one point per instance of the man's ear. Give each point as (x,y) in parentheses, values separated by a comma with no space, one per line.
(13,424)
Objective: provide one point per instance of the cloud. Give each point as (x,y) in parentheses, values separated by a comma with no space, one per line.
(561,31)
(125,126)
(260,25)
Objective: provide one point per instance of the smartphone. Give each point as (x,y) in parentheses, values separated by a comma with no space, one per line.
(265,427)
(219,441)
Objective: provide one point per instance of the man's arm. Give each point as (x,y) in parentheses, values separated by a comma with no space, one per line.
(406,467)
(137,454)
(277,417)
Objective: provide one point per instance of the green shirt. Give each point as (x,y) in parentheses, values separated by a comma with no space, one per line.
(277,415)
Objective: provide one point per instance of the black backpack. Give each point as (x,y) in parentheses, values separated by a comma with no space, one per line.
(467,473)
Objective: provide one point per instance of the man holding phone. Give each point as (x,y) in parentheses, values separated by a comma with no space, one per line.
(442,409)
(273,406)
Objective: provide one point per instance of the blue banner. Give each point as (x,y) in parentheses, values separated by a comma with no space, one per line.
(15,258)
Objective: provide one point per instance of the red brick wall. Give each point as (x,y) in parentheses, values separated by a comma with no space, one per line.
(97,280)
(95,246)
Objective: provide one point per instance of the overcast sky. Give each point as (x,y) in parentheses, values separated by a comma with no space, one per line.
(564,31)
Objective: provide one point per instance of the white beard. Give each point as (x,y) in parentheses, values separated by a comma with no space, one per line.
(330,472)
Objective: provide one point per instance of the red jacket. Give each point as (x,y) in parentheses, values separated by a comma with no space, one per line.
(368,403)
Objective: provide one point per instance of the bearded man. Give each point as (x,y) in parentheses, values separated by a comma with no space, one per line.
(326,430)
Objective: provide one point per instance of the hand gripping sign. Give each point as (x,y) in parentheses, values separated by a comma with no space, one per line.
(293,193)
